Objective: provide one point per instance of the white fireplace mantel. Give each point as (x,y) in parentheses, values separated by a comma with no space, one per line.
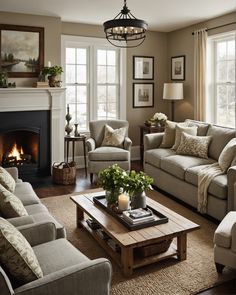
(37,99)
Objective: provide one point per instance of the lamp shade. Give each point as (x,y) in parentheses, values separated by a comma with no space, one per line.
(173,91)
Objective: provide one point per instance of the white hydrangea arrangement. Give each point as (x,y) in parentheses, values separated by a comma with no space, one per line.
(159,117)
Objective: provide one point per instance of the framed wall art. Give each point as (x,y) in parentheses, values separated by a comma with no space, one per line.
(143,67)
(22,50)
(178,68)
(143,95)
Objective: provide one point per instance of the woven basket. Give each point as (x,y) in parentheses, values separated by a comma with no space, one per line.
(64,173)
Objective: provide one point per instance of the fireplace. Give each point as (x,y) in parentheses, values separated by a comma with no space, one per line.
(25,142)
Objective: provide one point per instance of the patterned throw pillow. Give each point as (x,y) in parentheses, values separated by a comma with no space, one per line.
(227,155)
(10,205)
(16,254)
(169,135)
(179,130)
(7,180)
(114,137)
(194,145)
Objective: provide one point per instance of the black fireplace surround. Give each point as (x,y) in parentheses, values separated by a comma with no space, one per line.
(31,131)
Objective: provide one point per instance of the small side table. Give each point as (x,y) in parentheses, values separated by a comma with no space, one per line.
(74,139)
(145,130)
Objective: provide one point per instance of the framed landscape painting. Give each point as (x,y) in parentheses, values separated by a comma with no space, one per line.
(178,68)
(143,95)
(22,50)
(143,67)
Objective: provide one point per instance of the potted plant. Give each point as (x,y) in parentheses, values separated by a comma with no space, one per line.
(136,186)
(52,73)
(112,179)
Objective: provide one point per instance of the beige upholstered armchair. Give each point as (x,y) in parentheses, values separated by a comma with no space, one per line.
(225,242)
(102,156)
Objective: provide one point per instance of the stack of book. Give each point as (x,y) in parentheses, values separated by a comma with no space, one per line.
(40,84)
(138,216)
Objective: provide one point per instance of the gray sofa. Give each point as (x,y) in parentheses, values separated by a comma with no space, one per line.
(66,270)
(178,174)
(36,210)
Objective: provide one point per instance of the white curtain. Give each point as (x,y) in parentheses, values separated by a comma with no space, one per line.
(200,47)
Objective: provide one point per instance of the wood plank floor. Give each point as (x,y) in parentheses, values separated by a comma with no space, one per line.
(45,188)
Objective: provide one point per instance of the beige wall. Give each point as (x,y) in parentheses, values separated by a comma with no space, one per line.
(52,36)
(180,42)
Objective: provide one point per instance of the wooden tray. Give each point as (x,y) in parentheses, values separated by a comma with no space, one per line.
(159,217)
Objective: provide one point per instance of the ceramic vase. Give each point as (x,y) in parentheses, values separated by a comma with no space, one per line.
(138,200)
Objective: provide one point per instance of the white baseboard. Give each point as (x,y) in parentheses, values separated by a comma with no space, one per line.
(135,155)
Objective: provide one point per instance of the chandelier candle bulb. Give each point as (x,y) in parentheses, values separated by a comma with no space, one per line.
(123,202)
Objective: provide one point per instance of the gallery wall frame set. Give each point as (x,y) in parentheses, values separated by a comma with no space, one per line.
(178,68)
(143,95)
(143,67)
(22,50)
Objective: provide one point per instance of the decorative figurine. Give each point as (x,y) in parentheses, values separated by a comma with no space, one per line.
(68,127)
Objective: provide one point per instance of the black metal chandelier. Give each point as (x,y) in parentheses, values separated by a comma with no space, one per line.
(125,30)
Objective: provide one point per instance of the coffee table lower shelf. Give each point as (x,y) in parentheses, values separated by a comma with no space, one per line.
(126,258)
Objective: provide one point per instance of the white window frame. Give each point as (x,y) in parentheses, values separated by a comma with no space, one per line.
(93,44)
(211,89)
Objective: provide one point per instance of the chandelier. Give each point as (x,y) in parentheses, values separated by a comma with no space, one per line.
(125,30)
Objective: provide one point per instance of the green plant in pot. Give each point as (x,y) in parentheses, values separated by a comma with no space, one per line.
(136,186)
(52,73)
(112,179)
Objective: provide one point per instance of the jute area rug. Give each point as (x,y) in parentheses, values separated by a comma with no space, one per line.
(166,277)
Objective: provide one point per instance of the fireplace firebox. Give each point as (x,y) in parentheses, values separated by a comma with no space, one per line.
(25,142)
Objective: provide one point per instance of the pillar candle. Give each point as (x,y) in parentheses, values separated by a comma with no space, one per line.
(123,202)
(49,64)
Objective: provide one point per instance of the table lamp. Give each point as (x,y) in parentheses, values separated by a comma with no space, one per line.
(172,92)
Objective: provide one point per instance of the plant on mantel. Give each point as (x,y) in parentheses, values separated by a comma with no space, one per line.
(52,72)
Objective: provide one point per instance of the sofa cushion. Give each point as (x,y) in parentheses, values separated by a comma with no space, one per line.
(178,164)
(52,258)
(194,145)
(227,155)
(179,131)
(35,208)
(7,180)
(26,194)
(218,186)
(202,127)
(10,205)
(220,137)
(222,236)
(169,135)
(16,254)
(108,154)
(154,156)
(113,137)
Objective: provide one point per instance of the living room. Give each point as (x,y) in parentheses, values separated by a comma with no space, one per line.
(181,45)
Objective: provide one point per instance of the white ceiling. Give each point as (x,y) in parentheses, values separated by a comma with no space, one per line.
(161,15)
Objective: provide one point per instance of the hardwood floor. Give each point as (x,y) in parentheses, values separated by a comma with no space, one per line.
(44,187)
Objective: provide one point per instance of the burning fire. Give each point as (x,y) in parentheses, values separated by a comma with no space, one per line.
(15,152)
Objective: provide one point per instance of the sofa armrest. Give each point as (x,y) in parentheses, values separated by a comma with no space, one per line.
(92,277)
(127,143)
(90,142)
(152,140)
(231,179)
(39,233)
(13,171)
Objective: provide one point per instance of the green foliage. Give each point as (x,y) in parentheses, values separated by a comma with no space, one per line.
(52,71)
(138,182)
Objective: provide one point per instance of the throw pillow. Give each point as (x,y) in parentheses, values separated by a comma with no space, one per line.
(10,205)
(227,155)
(179,131)
(113,137)
(169,135)
(7,180)
(194,145)
(16,254)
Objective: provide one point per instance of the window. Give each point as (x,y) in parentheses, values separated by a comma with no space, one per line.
(221,78)
(94,75)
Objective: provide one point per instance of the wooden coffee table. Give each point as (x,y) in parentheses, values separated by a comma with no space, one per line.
(128,242)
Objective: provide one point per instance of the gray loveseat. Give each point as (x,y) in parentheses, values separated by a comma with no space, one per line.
(178,174)
(36,210)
